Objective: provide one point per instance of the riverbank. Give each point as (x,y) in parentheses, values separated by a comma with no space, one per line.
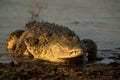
(30,69)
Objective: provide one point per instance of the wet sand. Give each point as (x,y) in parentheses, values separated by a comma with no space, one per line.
(30,69)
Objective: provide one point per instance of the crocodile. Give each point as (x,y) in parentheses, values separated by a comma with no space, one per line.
(49,41)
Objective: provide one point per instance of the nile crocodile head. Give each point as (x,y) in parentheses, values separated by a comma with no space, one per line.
(53,51)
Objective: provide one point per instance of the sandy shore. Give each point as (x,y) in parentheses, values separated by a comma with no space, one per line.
(30,69)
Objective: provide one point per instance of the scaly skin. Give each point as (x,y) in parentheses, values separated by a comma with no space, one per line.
(89,47)
(46,41)
(53,52)
(13,40)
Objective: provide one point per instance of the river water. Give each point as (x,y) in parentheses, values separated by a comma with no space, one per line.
(98,20)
